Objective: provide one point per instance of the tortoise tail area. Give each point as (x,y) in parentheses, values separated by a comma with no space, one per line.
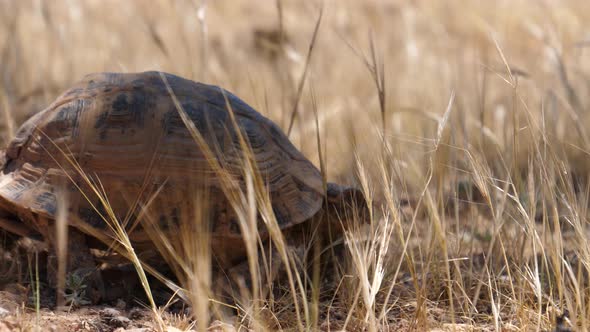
(9,221)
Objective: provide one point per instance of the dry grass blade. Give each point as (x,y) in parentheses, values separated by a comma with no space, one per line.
(377,69)
(155,36)
(264,205)
(61,241)
(572,97)
(443,121)
(369,256)
(6,95)
(321,153)
(501,53)
(281,25)
(305,71)
(8,118)
(201,15)
(316,262)
(244,204)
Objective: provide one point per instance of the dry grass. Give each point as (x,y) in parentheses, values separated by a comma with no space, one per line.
(465,120)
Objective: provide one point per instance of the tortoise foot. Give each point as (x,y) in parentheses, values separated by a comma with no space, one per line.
(239,277)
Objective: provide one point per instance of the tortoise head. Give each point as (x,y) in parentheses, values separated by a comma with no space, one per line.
(346,204)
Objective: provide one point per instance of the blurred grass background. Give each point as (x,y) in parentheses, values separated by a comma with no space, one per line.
(428,50)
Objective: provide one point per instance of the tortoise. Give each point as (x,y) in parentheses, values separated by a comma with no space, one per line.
(125,133)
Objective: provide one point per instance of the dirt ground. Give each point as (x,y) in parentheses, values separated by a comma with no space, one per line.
(110,318)
(18,313)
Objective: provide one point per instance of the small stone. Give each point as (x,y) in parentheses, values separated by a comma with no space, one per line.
(110,312)
(4,327)
(112,317)
(121,305)
(12,296)
(136,313)
(219,326)
(120,321)
(63,308)
(172,329)
(4,312)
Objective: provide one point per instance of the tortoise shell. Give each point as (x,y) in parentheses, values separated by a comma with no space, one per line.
(126,134)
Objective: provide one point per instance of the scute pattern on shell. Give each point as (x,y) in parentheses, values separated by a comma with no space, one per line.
(125,130)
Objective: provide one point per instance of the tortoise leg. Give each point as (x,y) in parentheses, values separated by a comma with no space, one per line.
(83,280)
(238,278)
